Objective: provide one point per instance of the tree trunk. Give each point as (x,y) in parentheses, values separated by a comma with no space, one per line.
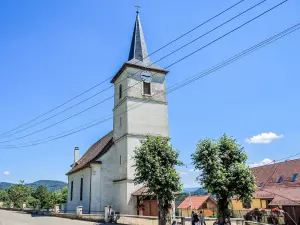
(164,217)
(223,209)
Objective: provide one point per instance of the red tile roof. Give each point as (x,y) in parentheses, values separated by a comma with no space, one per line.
(96,150)
(274,171)
(197,202)
(283,193)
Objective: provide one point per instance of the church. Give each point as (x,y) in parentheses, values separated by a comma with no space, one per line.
(104,175)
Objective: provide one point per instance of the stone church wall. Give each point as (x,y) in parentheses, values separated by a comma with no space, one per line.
(76,178)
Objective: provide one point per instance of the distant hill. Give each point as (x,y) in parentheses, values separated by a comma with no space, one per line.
(52,185)
(4,185)
(188,190)
(195,191)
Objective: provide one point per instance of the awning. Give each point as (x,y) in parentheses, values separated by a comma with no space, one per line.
(144,191)
(141,192)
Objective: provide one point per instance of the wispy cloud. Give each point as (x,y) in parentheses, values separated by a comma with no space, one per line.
(193,170)
(264,138)
(261,163)
(6,173)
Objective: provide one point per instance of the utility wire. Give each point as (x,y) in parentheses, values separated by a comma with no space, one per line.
(93,87)
(178,86)
(181,59)
(169,54)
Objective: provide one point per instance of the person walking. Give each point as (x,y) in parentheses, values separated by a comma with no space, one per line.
(196,219)
(201,218)
(192,218)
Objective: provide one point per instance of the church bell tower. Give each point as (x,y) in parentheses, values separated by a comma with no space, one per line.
(140,105)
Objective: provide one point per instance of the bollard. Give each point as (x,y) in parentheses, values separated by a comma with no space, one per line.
(79,211)
(56,208)
(106,213)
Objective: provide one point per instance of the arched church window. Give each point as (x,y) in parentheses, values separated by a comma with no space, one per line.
(71,194)
(120,91)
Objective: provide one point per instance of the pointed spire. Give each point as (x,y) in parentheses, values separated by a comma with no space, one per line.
(138,48)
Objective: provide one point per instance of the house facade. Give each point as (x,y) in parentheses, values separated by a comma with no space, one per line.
(278,184)
(204,203)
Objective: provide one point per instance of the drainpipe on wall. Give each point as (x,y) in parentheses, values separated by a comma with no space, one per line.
(90,189)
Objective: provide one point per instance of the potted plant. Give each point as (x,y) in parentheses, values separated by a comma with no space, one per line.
(141,208)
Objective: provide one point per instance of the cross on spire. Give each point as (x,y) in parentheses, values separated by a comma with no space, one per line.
(137,8)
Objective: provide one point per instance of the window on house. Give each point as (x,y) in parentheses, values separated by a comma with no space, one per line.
(146,88)
(120,91)
(81,188)
(120,160)
(294,177)
(204,205)
(246,205)
(279,179)
(120,121)
(71,195)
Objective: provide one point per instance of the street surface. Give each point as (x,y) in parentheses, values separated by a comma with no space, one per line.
(20,218)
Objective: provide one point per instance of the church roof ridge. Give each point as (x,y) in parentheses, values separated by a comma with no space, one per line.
(93,153)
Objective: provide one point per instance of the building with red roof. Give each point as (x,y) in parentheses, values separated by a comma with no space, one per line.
(278,185)
(197,203)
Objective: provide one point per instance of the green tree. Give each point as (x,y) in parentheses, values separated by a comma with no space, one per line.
(224,173)
(41,193)
(32,202)
(18,194)
(50,200)
(64,194)
(4,196)
(155,162)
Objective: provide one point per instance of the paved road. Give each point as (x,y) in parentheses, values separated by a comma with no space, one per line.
(20,218)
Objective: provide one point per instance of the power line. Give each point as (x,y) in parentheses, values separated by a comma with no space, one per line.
(183,58)
(93,87)
(179,85)
(169,54)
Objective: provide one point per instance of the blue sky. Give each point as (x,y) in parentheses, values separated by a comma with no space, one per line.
(53,50)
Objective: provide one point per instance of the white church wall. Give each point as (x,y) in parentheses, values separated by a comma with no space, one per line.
(120,81)
(132,143)
(120,120)
(96,190)
(132,200)
(76,178)
(112,170)
(119,197)
(148,118)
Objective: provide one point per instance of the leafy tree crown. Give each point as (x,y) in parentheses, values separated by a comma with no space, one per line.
(223,169)
(155,162)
